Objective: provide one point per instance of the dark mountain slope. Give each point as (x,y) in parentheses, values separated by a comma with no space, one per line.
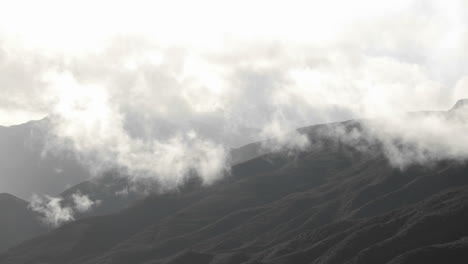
(279,208)
(453,252)
(247,152)
(110,192)
(17,222)
(232,194)
(115,191)
(383,238)
(24,171)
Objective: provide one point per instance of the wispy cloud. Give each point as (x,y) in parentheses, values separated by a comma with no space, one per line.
(54,211)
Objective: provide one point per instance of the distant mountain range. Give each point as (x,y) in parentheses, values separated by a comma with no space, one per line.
(332,204)
(25,169)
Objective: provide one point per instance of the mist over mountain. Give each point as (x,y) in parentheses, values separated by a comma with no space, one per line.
(54,179)
(338,201)
(233,132)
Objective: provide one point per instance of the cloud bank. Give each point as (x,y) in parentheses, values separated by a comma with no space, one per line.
(165,95)
(405,139)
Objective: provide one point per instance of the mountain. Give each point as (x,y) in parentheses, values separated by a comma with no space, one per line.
(460,104)
(17,222)
(24,169)
(329,204)
(247,152)
(111,191)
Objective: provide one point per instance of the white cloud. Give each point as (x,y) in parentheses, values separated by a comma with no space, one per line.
(165,92)
(82,203)
(55,211)
(50,208)
(279,137)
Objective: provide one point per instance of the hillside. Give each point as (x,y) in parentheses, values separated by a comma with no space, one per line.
(24,169)
(327,205)
(332,203)
(17,222)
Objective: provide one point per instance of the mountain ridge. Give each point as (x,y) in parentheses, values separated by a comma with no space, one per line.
(327,204)
(274,209)
(462,103)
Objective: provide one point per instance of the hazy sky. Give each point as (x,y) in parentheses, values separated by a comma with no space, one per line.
(203,55)
(168,86)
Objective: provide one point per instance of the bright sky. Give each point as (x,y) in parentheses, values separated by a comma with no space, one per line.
(73,26)
(66,30)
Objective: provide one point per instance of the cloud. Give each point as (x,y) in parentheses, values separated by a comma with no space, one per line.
(166,99)
(82,203)
(88,124)
(279,137)
(405,139)
(54,211)
(50,208)
(422,139)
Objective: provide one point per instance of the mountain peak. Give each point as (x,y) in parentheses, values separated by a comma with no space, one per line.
(11,202)
(7,196)
(462,103)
